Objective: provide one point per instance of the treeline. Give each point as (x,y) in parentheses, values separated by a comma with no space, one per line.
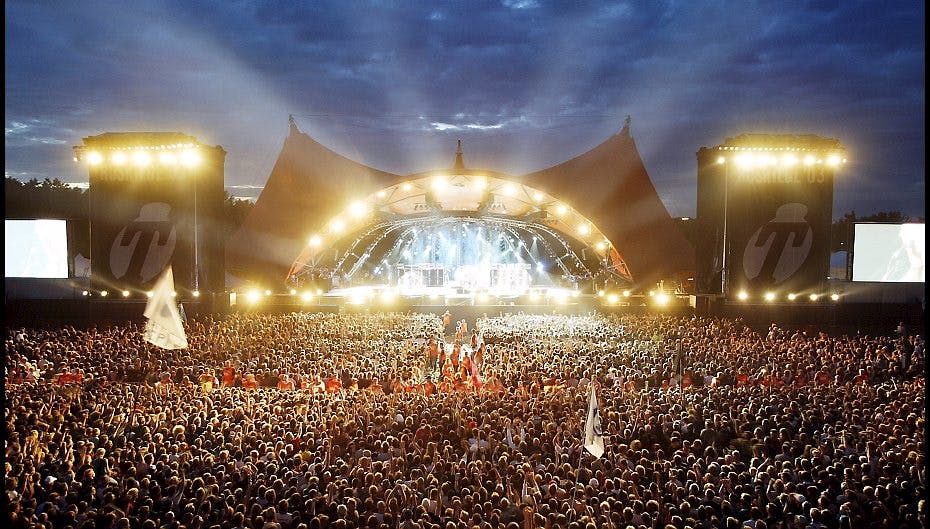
(52,198)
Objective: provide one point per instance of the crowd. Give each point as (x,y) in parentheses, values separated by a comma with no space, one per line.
(306,421)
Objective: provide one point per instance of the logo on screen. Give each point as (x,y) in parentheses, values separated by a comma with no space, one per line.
(780,246)
(145,246)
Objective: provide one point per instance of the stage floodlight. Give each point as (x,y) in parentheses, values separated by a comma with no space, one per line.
(94,158)
(319,291)
(358,209)
(600,293)
(125,293)
(336,225)
(814,297)
(174,293)
(381,194)
(743,295)
(510,190)
(141,158)
(406,186)
(267,292)
(626,293)
(584,229)
(538,197)
(104,293)
(613,298)
(307,296)
(479,182)
(601,246)
(662,298)
(833,160)
(118,158)
(792,296)
(721,160)
(149,294)
(769,296)
(561,209)
(387,296)
(195,293)
(293,292)
(789,160)
(85,293)
(835,297)
(253,296)
(315,241)
(190,158)
(809,160)
(652,293)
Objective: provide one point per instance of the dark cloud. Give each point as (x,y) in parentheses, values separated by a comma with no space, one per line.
(526,83)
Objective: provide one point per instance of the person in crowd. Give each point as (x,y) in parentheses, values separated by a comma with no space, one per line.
(790,430)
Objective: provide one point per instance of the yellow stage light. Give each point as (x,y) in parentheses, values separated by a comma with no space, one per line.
(125,293)
(510,190)
(743,295)
(94,158)
(538,197)
(267,292)
(315,241)
(336,225)
(480,183)
(561,209)
(381,194)
(789,160)
(439,183)
(809,160)
(387,296)
(149,294)
(600,293)
(721,160)
(293,291)
(814,297)
(584,229)
(662,298)
(626,293)
(613,299)
(119,158)
(253,296)
(601,246)
(835,297)
(85,293)
(174,293)
(833,160)
(769,296)
(358,209)
(104,293)
(406,186)
(307,296)
(141,158)
(792,296)
(190,157)
(196,293)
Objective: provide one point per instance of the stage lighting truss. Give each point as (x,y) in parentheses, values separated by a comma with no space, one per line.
(412,216)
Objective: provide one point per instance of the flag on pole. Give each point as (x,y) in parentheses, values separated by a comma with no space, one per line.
(164,327)
(593,436)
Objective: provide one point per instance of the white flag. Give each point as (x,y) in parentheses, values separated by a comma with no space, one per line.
(593,437)
(164,327)
(510,439)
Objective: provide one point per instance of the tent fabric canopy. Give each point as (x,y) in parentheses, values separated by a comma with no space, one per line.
(310,183)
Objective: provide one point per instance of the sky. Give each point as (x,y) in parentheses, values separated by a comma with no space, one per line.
(525,84)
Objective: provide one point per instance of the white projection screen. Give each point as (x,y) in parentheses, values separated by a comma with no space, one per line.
(889,253)
(36,248)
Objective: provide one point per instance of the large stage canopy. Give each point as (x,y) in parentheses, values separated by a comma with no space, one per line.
(321,214)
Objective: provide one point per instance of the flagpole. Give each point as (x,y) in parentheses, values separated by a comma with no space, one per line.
(581,450)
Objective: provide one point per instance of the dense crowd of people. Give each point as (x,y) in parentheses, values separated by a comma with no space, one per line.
(306,421)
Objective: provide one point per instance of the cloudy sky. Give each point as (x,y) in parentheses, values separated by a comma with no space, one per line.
(524,83)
